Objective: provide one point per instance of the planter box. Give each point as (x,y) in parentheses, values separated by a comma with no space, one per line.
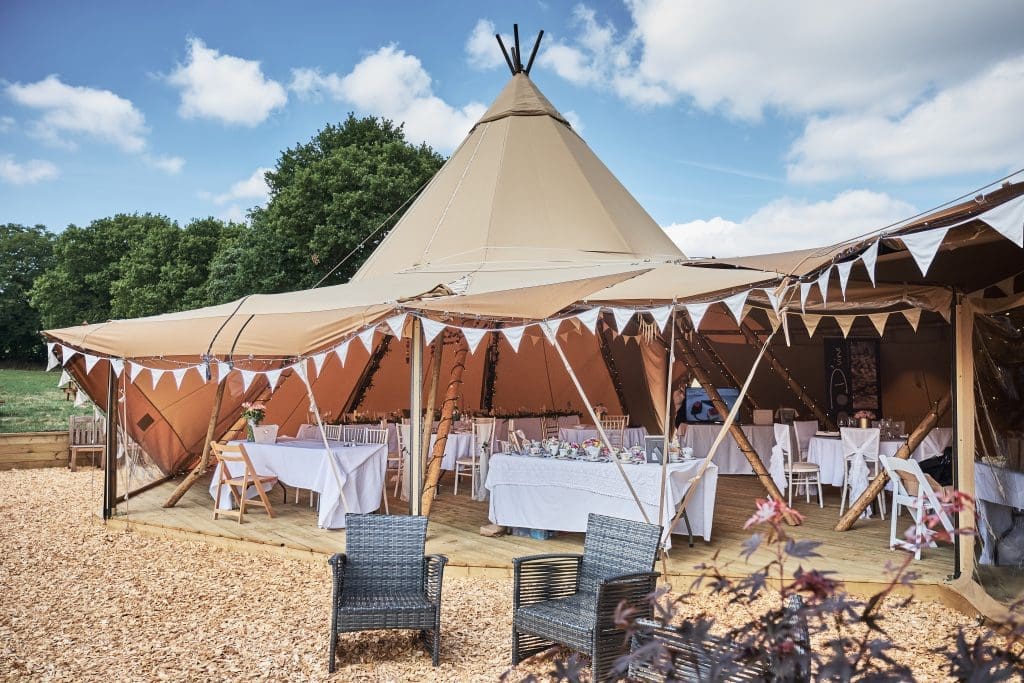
(24,450)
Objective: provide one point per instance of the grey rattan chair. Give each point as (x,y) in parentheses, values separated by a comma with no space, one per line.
(384,581)
(572,599)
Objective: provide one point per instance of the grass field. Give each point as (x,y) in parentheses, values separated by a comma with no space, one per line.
(32,402)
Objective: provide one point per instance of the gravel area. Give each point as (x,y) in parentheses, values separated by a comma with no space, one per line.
(81,602)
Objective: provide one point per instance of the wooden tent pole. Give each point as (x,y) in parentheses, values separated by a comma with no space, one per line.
(204,460)
(415,477)
(436,349)
(704,344)
(444,426)
(875,488)
(793,385)
(690,358)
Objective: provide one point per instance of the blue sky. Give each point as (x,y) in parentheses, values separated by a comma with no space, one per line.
(741,128)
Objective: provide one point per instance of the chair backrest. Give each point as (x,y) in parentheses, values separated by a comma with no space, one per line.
(333,432)
(353,433)
(614,427)
(860,441)
(376,436)
(614,547)
(483,434)
(785,438)
(86,430)
(233,453)
(404,436)
(384,553)
(549,427)
(307,432)
(906,476)
(805,431)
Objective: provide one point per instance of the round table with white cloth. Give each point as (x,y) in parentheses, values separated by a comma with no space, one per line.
(826,451)
(633,436)
(729,457)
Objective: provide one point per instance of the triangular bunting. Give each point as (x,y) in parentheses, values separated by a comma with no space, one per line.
(564,337)
(514,335)
(80,399)
(945,313)
(870,258)
(589,319)
(550,328)
(90,362)
(735,305)
(397,324)
(1008,220)
(660,316)
(913,316)
(772,299)
(133,371)
(318,362)
(203,371)
(67,353)
(696,313)
(845,323)
(342,351)
(473,336)
(155,375)
(811,323)
(431,328)
(179,375)
(923,246)
(366,336)
(223,370)
(1007,286)
(51,359)
(300,368)
(622,318)
(117,365)
(64,378)
(247,377)
(879,320)
(844,275)
(805,289)
(273,376)
(823,286)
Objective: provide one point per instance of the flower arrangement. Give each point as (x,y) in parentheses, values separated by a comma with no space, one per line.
(864,415)
(254,411)
(592,442)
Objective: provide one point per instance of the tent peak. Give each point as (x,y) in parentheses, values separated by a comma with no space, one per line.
(514,57)
(521,97)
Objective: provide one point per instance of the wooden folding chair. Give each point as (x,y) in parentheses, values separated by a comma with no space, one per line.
(235,453)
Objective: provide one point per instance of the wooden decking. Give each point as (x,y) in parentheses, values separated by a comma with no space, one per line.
(858,556)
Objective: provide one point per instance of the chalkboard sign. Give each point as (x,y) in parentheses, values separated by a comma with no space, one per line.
(852,377)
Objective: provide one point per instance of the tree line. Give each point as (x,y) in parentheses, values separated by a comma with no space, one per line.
(327,196)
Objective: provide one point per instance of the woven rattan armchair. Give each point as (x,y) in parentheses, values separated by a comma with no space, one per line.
(383,580)
(572,599)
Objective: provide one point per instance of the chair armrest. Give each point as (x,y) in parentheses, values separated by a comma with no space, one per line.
(433,576)
(633,589)
(545,577)
(338,562)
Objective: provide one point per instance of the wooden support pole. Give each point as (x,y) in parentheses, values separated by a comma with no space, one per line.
(415,416)
(110,454)
(444,426)
(878,483)
(787,377)
(704,344)
(690,358)
(204,460)
(436,349)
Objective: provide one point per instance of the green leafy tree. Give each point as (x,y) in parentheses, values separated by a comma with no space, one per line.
(326,196)
(25,253)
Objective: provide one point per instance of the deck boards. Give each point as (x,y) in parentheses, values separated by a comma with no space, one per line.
(857,556)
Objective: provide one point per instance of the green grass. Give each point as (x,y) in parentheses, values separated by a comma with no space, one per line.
(32,402)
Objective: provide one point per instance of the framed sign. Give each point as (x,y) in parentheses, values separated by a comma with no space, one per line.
(652,448)
(853,379)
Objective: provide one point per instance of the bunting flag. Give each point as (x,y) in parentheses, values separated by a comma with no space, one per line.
(273,376)
(51,359)
(844,275)
(366,336)
(64,378)
(397,324)
(923,246)
(300,369)
(550,328)
(80,399)
(247,377)
(117,365)
(564,337)
(772,298)
(660,316)
(622,318)
(696,313)
(589,319)
(823,286)
(1005,286)
(67,353)
(514,335)
(785,329)
(913,316)
(805,289)
(870,258)
(473,336)
(155,375)
(203,371)
(845,323)
(179,375)
(945,313)
(90,362)
(223,370)
(133,371)
(318,362)
(1008,220)
(879,320)
(811,323)
(735,305)
(431,328)
(341,352)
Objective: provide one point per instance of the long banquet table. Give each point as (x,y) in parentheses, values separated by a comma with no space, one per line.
(303,464)
(827,453)
(556,494)
(729,457)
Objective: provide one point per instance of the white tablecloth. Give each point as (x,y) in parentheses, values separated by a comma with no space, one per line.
(827,453)
(459,444)
(549,493)
(999,492)
(303,464)
(634,436)
(729,457)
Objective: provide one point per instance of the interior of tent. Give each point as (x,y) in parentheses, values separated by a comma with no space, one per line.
(528,255)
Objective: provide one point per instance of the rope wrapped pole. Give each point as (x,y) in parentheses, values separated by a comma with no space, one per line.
(878,483)
(444,426)
(204,460)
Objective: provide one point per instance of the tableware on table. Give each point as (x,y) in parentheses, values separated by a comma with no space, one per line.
(687,453)
(563,452)
(593,452)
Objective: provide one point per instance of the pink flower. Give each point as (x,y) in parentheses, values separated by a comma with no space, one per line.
(771,511)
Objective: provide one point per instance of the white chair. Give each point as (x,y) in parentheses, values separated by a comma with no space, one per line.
(469,465)
(354,433)
(805,431)
(798,472)
(333,432)
(918,492)
(375,436)
(614,427)
(860,446)
(404,435)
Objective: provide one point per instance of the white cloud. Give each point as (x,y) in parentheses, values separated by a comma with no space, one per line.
(226,88)
(6,124)
(574,120)
(392,83)
(252,188)
(234,214)
(76,110)
(974,126)
(172,165)
(482,51)
(27,173)
(786,224)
